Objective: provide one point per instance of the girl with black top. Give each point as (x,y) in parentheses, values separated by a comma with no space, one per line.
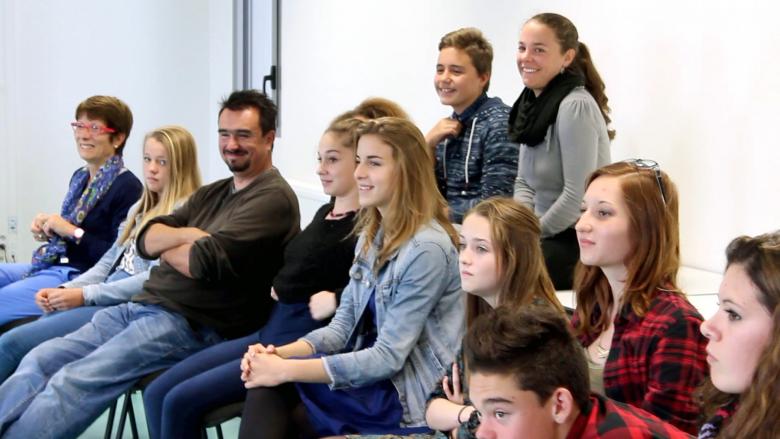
(315,261)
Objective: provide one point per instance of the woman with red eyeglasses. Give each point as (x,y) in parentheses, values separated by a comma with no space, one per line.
(97,200)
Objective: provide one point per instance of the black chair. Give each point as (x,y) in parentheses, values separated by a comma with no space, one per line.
(18,322)
(218,416)
(127,412)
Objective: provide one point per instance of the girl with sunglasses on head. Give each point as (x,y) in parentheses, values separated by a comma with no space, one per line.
(743,348)
(640,334)
(99,195)
(171,174)
(501,264)
(560,121)
(400,319)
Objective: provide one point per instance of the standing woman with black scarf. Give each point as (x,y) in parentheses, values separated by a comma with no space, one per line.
(560,121)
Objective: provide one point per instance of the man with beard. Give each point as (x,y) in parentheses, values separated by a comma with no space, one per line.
(218,255)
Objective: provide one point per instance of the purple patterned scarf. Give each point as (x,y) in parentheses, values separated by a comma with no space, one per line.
(76,207)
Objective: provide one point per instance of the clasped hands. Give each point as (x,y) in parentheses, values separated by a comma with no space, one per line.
(262,366)
(59,299)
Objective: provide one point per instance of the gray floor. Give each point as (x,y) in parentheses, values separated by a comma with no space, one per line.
(98,429)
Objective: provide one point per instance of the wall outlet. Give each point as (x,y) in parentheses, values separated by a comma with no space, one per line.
(13,225)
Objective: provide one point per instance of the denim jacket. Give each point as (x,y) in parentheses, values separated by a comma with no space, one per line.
(93,283)
(419,315)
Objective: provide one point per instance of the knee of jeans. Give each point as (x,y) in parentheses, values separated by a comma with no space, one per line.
(32,364)
(11,349)
(34,356)
(63,384)
(40,355)
(9,343)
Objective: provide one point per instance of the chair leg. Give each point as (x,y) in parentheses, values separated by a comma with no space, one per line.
(131,413)
(123,415)
(110,421)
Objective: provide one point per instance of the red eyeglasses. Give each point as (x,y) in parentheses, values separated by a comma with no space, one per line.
(93,128)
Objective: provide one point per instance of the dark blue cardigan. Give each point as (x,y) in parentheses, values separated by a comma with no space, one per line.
(101,224)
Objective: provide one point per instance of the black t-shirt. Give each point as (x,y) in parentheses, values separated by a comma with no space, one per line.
(318,258)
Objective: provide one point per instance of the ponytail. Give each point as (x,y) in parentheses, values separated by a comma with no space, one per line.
(593,83)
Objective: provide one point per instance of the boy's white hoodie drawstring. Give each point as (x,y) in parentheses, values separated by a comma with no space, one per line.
(468,152)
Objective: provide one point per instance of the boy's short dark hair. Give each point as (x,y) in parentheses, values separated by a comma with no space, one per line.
(535,345)
(243,99)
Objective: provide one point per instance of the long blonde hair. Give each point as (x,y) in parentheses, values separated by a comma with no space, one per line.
(415,200)
(515,234)
(184,178)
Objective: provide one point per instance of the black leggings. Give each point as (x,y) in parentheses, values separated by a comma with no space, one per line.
(561,253)
(274,413)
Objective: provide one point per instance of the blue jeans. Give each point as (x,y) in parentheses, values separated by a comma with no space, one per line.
(16,343)
(17,293)
(61,386)
(176,402)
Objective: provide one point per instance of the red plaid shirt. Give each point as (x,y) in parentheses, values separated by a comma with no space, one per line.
(608,419)
(656,362)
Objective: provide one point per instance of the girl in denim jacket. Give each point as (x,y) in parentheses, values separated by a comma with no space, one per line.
(400,319)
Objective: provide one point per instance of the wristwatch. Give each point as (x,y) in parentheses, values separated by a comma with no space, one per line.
(78,233)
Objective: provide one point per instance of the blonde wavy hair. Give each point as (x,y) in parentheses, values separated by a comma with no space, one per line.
(515,235)
(183,180)
(415,200)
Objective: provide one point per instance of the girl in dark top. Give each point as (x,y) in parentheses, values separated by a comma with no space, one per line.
(400,318)
(98,198)
(740,398)
(316,268)
(501,264)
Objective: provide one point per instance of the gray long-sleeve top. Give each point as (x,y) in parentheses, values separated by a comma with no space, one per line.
(551,175)
(95,288)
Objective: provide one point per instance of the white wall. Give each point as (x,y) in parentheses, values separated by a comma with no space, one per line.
(169,60)
(694,85)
